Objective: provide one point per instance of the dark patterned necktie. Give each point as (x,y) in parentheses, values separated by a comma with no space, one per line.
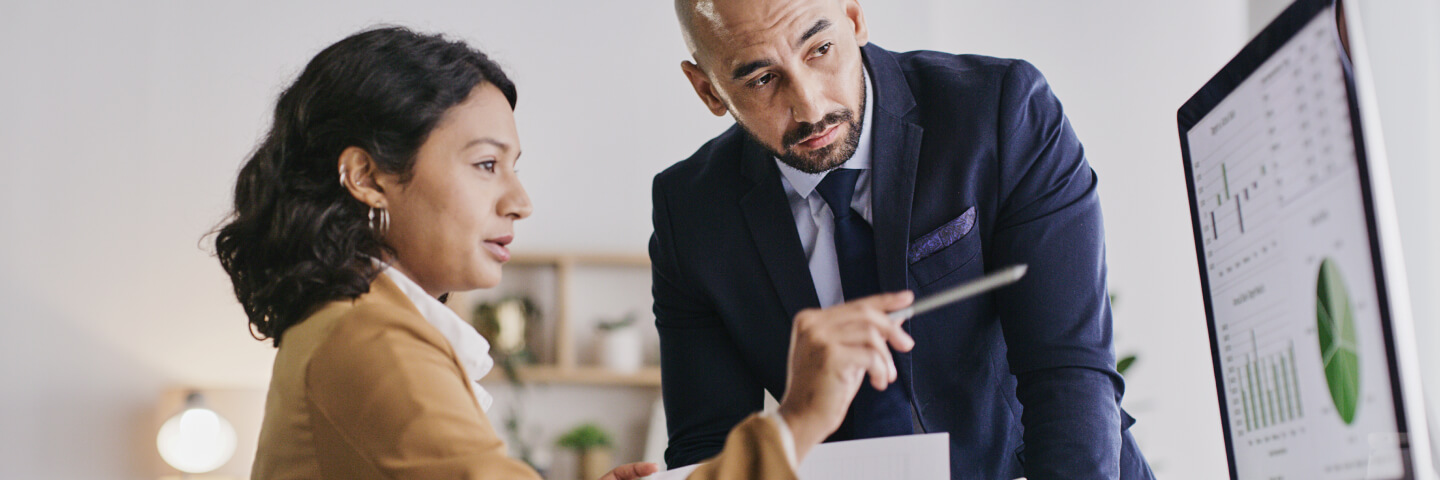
(873,413)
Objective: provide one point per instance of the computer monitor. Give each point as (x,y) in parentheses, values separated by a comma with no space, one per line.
(1314,360)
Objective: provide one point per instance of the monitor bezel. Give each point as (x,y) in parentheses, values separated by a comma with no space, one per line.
(1247,62)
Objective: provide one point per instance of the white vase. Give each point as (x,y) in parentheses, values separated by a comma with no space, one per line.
(621,349)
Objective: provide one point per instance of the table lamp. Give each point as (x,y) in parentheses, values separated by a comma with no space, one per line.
(196,440)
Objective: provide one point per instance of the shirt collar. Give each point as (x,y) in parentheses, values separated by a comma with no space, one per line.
(470,348)
(804,183)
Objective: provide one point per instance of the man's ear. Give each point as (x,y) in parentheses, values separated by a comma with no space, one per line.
(704,88)
(358,175)
(857,17)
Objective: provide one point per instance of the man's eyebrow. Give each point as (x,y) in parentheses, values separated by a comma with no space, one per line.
(814,29)
(748,68)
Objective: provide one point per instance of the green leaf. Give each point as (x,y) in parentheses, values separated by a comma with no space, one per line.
(1124,364)
(585,437)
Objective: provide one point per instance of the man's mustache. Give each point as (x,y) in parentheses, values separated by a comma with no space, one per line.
(805,130)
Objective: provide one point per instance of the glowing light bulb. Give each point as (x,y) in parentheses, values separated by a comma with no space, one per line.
(197,440)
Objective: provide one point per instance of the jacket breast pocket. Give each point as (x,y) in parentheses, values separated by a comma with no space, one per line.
(945,250)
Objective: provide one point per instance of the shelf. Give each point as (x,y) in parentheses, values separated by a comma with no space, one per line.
(564,285)
(647,376)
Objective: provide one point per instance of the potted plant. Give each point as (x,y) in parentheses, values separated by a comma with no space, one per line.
(619,344)
(593,445)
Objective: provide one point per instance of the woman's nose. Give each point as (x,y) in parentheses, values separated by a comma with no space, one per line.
(515,203)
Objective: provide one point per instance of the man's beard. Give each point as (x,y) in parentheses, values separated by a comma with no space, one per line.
(827,157)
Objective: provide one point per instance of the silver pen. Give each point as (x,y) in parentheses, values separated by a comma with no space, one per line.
(1005,276)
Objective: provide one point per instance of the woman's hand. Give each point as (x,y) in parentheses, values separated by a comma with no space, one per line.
(831,350)
(632,471)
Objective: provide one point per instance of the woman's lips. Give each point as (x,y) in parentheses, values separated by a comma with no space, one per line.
(497,248)
(823,139)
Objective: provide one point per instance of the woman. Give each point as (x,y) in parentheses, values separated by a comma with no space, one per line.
(387,180)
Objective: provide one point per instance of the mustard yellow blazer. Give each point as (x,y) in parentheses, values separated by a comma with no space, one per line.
(368,389)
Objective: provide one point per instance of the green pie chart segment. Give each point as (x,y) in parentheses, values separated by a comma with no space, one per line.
(1336,323)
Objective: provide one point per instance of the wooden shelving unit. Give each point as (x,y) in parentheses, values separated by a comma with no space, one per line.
(564,367)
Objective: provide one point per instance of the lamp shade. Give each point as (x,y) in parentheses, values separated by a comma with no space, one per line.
(196,440)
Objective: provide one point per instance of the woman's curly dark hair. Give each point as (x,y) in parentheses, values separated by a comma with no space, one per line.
(297,239)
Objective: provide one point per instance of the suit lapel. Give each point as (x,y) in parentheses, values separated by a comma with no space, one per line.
(772,227)
(895,152)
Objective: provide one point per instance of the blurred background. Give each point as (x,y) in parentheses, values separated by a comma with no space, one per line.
(123,124)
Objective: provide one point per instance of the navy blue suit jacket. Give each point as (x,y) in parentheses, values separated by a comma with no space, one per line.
(974,168)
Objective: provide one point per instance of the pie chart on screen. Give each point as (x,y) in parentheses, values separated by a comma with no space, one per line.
(1335,320)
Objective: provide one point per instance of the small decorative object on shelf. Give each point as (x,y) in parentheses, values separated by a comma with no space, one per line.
(619,345)
(503,323)
(593,446)
(565,286)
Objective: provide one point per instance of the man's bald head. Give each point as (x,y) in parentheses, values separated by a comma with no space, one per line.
(687,11)
(704,21)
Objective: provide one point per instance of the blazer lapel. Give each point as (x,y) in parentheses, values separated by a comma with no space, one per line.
(772,227)
(895,153)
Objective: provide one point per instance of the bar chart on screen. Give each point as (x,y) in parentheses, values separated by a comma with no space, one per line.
(1265,391)
(1287,135)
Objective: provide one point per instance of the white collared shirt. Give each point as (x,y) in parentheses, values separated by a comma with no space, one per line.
(812,215)
(817,225)
(470,348)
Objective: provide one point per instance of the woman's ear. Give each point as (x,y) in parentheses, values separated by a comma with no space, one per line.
(357,175)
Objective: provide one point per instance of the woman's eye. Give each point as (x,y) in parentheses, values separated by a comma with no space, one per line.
(488,165)
(824,49)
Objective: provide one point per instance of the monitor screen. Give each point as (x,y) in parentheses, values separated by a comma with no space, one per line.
(1289,260)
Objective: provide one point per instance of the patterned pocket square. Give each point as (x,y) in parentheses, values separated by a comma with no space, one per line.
(942,237)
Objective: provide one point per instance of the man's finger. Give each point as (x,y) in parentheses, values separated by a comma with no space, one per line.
(900,339)
(879,372)
(631,471)
(891,331)
(878,344)
(889,302)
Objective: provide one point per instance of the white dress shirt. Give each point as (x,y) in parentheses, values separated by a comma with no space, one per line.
(816,223)
(812,215)
(471,348)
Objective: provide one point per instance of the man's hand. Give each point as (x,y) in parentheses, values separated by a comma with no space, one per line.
(632,471)
(831,350)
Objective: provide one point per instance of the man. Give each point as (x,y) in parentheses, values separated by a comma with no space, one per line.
(853,170)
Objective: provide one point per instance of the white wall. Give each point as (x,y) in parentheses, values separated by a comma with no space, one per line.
(122,126)
(1122,69)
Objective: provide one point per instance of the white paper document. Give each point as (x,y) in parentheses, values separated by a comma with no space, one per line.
(906,457)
